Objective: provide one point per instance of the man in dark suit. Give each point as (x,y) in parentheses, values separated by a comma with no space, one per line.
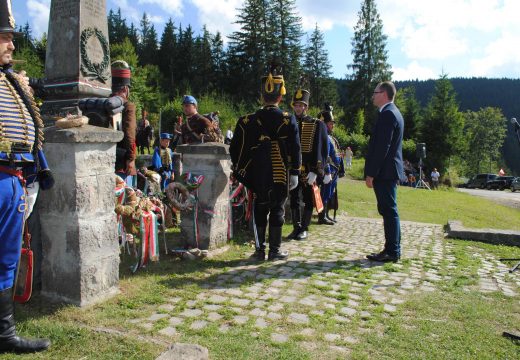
(384,166)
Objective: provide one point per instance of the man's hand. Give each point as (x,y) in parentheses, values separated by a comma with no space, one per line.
(311,178)
(130,167)
(293,182)
(369,181)
(327,179)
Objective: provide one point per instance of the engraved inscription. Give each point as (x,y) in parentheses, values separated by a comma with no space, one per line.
(62,8)
(94,8)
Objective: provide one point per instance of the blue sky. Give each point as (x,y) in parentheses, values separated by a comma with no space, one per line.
(462,38)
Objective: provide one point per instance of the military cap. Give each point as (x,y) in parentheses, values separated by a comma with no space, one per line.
(121,74)
(7,24)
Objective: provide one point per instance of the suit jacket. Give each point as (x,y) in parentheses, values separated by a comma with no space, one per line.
(385,155)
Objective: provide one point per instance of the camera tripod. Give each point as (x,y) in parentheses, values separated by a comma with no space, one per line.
(421,184)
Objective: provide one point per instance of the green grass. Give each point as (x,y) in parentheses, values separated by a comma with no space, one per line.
(455,322)
(435,207)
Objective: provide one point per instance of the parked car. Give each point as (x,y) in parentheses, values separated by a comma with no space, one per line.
(500,183)
(515,184)
(480,181)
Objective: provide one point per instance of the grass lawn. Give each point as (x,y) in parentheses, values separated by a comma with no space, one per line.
(456,321)
(421,205)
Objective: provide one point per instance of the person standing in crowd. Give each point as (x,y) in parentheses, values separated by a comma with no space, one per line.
(266,156)
(349,155)
(384,167)
(144,133)
(162,160)
(126,149)
(197,128)
(333,169)
(435,178)
(21,160)
(314,148)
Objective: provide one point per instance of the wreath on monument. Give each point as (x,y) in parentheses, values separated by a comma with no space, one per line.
(88,67)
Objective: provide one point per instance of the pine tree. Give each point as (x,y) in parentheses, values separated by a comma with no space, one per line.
(117,28)
(168,54)
(185,64)
(442,126)
(248,50)
(218,57)
(317,67)
(203,80)
(133,35)
(147,49)
(411,111)
(369,65)
(486,131)
(285,32)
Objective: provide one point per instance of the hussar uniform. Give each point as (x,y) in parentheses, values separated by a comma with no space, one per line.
(314,153)
(266,156)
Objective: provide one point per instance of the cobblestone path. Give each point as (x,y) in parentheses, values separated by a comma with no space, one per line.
(315,297)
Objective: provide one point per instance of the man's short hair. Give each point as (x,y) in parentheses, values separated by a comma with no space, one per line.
(389,88)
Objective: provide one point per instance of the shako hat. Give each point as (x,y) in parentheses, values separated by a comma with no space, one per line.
(121,74)
(301,95)
(273,84)
(326,114)
(7,24)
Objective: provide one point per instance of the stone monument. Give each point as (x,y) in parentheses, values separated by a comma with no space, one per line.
(213,208)
(78,56)
(80,251)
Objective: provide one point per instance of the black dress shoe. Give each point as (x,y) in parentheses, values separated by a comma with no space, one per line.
(258,255)
(279,255)
(383,257)
(301,235)
(293,234)
(325,221)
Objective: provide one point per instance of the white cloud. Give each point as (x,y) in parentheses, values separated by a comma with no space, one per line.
(502,57)
(130,13)
(413,70)
(218,15)
(170,7)
(327,13)
(39,15)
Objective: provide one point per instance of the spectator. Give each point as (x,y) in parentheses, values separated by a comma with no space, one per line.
(435,178)
(349,155)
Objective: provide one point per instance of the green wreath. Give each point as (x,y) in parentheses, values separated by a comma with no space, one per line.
(98,70)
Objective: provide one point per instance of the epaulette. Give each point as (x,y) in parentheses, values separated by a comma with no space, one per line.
(245,119)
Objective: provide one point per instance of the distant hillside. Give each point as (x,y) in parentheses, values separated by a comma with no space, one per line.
(473,94)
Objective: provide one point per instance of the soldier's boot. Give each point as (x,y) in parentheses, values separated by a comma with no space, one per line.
(322,218)
(296,223)
(275,241)
(259,254)
(306,221)
(9,341)
(327,216)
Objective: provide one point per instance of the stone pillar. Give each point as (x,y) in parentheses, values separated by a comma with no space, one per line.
(80,251)
(211,160)
(77,64)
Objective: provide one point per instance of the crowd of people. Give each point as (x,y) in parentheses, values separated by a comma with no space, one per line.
(275,153)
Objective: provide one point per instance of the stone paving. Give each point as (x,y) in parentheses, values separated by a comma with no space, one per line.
(314,297)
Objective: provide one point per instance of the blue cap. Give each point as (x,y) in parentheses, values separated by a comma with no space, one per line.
(166,136)
(188,99)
